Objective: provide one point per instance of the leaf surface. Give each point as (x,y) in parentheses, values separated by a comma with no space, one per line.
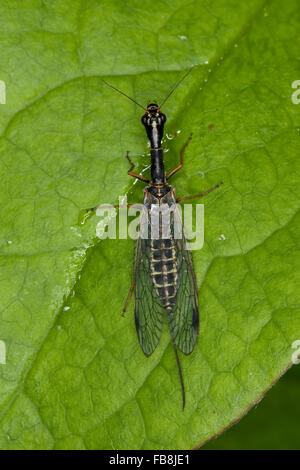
(75,376)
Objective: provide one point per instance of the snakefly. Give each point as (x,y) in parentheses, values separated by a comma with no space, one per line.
(164,282)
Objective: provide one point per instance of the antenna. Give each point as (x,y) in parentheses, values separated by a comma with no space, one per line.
(177,84)
(122,93)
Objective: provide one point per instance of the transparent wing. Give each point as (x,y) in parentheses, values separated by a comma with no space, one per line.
(184,318)
(149,314)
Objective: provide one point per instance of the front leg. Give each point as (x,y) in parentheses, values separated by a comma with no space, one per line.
(200,194)
(178,167)
(131,173)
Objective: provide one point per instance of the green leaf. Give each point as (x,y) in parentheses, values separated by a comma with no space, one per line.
(75,376)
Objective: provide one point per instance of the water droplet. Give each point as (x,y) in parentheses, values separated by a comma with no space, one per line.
(206,62)
(236,45)
(9,242)
(84,215)
(182,37)
(66,308)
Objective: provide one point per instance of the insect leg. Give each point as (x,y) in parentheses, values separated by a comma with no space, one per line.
(178,167)
(131,173)
(200,194)
(128,298)
(116,206)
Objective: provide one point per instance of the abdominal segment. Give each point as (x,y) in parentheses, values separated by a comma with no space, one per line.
(164,271)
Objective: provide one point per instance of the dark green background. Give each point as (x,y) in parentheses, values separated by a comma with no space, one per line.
(272,424)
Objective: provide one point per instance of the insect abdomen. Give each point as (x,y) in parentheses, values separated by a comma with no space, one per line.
(164,273)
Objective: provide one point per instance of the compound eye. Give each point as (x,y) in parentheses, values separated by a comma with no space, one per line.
(144,119)
(163,117)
